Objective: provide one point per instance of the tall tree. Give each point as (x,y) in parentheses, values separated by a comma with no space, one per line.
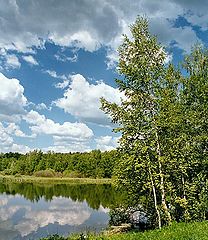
(155,118)
(142,65)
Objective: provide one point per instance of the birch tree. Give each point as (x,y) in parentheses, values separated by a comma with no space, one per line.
(163,126)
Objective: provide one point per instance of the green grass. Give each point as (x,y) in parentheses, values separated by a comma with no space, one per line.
(178,231)
(55,180)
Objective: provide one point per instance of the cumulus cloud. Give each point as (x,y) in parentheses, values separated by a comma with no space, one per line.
(20,29)
(42,125)
(67,137)
(82,99)
(7,143)
(41,106)
(107,143)
(65,79)
(62,85)
(181,37)
(14,129)
(96,24)
(55,75)
(12,99)
(70,146)
(12,61)
(5,139)
(30,59)
(19,148)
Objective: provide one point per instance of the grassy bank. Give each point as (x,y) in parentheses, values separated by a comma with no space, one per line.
(55,180)
(179,231)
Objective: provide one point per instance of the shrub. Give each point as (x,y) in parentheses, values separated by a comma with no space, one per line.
(6,172)
(45,173)
(17,175)
(72,174)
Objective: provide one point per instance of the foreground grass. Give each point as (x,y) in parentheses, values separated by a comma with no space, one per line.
(178,231)
(55,180)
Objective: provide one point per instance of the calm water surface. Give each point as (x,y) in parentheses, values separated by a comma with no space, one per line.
(31,211)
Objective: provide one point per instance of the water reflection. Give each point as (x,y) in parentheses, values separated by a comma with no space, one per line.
(30,211)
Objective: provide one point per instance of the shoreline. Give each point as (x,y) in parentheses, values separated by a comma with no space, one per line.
(54,180)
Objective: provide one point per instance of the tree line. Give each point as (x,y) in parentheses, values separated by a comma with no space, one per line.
(95,164)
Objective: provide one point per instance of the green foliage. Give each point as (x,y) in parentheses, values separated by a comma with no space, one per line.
(118,217)
(180,231)
(163,122)
(54,237)
(75,165)
(72,174)
(45,173)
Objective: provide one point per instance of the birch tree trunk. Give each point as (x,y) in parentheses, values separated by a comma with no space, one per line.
(155,199)
(162,184)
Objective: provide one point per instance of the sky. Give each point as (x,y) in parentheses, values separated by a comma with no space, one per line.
(58,58)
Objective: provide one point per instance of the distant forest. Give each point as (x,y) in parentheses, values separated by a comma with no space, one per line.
(95,164)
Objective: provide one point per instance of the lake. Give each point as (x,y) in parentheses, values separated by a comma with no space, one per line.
(31,211)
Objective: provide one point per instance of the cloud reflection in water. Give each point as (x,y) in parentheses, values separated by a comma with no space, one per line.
(23,219)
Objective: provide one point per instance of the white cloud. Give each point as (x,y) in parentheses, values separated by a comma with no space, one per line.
(5,139)
(10,118)
(30,59)
(69,147)
(12,99)
(42,125)
(168,58)
(63,58)
(82,99)
(14,129)
(20,30)
(181,37)
(42,106)
(65,79)
(112,58)
(107,143)
(63,84)
(80,39)
(95,24)
(69,144)
(67,137)
(55,75)
(12,61)
(7,143)
(19,148)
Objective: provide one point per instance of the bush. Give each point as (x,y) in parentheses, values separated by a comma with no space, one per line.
(17,175)
(6,172)
(72,174)
(130,215)
(45,173)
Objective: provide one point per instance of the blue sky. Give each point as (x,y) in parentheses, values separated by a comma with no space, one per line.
(57,58)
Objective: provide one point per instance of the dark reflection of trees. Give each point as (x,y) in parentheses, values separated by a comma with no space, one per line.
(95,195)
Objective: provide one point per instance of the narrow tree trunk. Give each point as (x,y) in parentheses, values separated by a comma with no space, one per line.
(183,184)
(162,185)
(155,199)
